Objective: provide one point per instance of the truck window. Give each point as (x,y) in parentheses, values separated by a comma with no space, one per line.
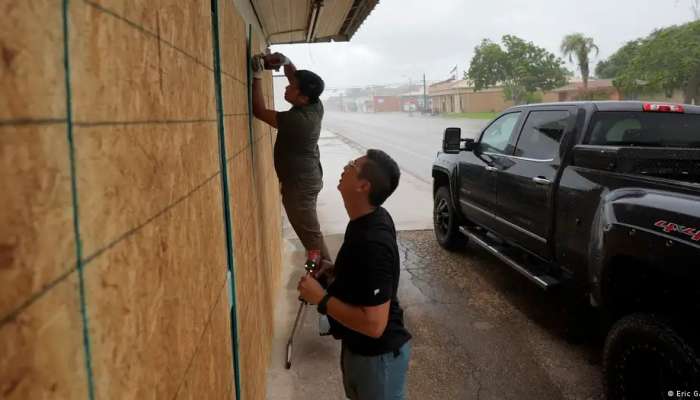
(498,135)
(542,134)
(647,129)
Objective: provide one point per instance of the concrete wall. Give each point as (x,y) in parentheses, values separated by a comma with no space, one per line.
(483,101)
(113,246)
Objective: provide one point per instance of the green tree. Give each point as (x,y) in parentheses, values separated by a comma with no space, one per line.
(579,46)
(522,68)
(666,60)
(618,62)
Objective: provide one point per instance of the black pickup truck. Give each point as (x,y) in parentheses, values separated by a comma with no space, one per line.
(600,200)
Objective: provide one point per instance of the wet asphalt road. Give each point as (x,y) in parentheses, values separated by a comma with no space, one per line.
(412,141)
(480,331)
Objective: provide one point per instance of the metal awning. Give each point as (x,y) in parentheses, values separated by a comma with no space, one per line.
(310,21)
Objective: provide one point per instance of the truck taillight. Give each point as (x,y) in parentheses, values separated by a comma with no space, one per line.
(669,108)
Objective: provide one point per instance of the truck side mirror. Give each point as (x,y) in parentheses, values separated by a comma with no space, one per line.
(451,140)
(469,144)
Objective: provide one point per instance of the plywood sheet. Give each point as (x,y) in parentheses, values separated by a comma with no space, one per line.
(37,238)
(235,96)
(151,296)
(237,137)
(129,173)
(233,39)
(212,368)
(31,60)
(122,74)
(185,24)
(42,352)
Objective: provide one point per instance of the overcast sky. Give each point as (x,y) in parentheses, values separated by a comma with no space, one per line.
(403,39)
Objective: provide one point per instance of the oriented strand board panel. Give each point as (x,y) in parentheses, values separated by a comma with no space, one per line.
(129,173)
(31,60)
(212,368)
(37,237)
(237,134)
(235,96)
(233,39)
(250,287)
(151,296)
(42,352)
(124,74)
(184,24)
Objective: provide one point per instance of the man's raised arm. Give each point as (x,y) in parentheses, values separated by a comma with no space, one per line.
(260,110)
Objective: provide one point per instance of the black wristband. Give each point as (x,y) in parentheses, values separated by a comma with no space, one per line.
(322,304)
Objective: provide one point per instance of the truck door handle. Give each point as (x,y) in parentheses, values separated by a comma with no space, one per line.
(541,181)
(490,168)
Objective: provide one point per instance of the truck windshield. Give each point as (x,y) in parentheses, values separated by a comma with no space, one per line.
(645,129)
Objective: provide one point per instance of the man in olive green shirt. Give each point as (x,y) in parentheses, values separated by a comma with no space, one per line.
(296,154)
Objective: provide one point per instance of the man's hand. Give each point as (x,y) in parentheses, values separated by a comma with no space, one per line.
(276,60)
(310,290)
(257,64)
(325,274)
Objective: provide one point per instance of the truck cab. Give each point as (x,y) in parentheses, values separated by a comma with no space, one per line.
(600,200)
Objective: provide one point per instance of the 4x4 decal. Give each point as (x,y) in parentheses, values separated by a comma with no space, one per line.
(669,227)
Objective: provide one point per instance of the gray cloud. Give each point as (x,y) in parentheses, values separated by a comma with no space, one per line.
(403,39)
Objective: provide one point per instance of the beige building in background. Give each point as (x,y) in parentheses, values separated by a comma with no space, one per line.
(458,96)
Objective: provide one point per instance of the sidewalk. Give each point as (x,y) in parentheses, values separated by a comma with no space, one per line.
(315,373)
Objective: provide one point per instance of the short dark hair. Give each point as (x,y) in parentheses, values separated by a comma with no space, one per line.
(310,84)
(383,174)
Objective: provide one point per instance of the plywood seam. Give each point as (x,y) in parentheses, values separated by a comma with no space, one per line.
(225,195)
(201,339)
(31,121)
(74,200)
(154,35)
(137,228)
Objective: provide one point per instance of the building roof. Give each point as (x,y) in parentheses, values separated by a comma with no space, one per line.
(593,84)
(310,21)
(462,86)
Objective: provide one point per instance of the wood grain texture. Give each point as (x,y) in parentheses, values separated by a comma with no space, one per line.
(212,368)
(151,297)
(124,74)
(233,31)
(36,219)
(31,60)
(128,174)
(42,352)
(184,24)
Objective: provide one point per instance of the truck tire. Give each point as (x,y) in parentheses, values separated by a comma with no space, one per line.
(645,358)
(446,221)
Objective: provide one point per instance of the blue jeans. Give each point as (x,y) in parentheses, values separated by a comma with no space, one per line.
(379,377)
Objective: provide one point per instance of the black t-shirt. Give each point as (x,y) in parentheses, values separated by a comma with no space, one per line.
(296,147)
(367,274)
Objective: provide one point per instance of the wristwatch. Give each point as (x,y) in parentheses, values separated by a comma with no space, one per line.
(322,304)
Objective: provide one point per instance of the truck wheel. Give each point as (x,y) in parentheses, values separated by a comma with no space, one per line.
(446,221)
(645,358)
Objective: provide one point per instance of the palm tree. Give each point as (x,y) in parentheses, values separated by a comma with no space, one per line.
(579,46)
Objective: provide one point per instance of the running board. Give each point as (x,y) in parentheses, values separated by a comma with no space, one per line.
(540,279)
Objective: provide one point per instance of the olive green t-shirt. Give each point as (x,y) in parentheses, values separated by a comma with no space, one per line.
(296,148)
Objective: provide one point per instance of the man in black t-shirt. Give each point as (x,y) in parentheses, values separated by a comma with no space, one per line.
(361,301)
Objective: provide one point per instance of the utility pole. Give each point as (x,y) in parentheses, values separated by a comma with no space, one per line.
(425,97)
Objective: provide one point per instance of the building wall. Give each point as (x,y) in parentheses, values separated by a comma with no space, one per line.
(113,247)
(387,103)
